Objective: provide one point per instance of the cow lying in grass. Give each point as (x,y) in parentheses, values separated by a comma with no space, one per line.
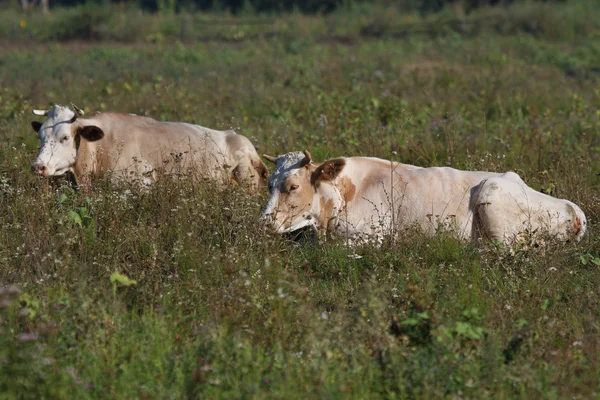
(369,197)
(139,149)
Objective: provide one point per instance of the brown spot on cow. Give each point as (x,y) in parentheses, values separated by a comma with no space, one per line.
(326,212)
(348,189)
(577,223)
(576,226)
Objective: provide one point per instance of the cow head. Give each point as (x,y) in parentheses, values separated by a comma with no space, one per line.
(302,193)
(60,136)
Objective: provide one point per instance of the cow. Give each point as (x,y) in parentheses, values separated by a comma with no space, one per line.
(136,148)
(368,198)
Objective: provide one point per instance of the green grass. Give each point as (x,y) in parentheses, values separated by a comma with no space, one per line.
(223,310)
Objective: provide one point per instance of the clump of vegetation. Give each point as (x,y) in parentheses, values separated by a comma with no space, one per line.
(176,291)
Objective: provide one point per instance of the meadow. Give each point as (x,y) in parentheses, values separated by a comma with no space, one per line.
(113,292)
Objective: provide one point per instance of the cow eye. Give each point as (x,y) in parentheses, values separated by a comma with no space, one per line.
(293,187)
(64,139)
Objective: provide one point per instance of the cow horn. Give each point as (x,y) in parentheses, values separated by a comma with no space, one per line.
(306,160)
(270,158)
(78,110)
(40,112)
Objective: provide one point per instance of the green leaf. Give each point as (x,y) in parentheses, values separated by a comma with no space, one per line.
(472,314)
(73,216)
(469,331)
(31,304)
(547,304)
(122,279)
(585,258)
(83,212)
(416,320)
(423,315)
(411,322)
(521,323)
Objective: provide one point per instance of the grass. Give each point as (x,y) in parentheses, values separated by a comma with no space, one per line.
(221,309)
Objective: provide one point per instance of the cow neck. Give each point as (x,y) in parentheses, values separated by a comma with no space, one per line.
(93,157)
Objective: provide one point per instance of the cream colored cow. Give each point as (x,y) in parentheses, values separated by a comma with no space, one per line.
(361,197)
(135,148)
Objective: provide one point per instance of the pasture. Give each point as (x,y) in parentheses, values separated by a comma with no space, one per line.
(177,292)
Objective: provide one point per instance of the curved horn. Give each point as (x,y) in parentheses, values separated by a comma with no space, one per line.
(270,158)
(78,110)
(40,112)
(306,160)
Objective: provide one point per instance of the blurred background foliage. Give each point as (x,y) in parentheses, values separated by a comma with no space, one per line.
(185,20)
(268,6)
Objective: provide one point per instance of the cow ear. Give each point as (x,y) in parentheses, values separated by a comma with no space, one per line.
(261,169)
(36,125)
(328,171)
(90,133)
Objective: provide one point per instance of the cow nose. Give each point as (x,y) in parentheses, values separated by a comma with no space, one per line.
(265,220)
(39,169)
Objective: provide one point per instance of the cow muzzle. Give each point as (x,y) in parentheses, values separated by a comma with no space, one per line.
(39,169)
(267,221)
(271,222)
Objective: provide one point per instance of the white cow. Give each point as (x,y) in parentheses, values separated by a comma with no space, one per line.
(362,197)
(137,148)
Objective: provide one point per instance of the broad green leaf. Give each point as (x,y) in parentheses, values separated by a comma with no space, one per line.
(122,279)
(469,331)
(73,216)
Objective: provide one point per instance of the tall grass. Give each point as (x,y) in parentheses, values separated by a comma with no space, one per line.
(222,309)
